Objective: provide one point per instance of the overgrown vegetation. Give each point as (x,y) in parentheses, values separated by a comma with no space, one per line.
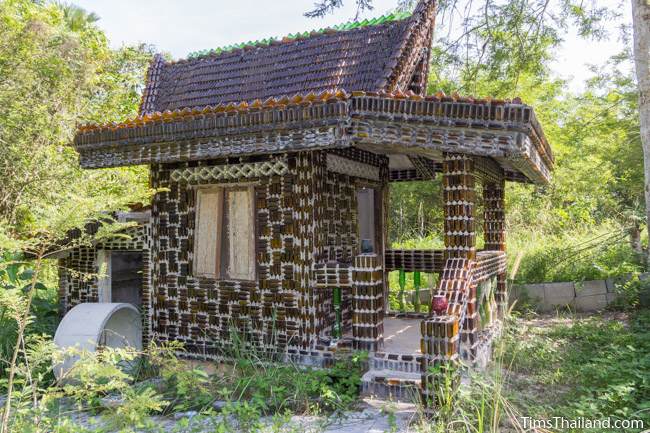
(571,367)
(57,69)
(594,367)
(123,388)
(16,277)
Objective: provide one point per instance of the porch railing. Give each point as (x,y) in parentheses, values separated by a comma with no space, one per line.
(415,262)
(411,264)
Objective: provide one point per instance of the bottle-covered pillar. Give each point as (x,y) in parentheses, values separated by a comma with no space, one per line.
(367,303)
(441,331)
(459,198)
(460,233)
(494,222)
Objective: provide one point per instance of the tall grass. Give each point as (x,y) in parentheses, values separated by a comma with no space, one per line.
(592,254)
(481,403)
(574,255)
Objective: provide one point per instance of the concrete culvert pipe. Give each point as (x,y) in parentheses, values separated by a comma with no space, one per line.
(91,325)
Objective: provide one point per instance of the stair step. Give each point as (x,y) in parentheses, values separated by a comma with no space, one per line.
(412,365)
(391,384)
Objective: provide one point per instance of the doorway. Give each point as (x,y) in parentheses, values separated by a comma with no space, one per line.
(121,277)
(366,210)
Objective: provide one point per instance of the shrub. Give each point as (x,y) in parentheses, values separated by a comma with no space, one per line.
(598,253)
(594,368)
(275,387)
(15,277)
(631,292)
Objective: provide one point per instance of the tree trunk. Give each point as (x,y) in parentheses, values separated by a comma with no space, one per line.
(641,26)
(635,239)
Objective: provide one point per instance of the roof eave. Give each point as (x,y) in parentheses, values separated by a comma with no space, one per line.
(504,131)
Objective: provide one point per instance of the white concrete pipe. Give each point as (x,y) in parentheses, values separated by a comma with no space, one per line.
(92,325)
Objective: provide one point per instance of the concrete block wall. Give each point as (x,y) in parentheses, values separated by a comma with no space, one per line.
(583,296)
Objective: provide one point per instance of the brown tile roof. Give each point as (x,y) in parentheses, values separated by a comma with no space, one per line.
(380,57)
(287,95)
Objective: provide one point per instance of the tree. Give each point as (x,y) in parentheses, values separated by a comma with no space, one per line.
(77,18)
(57,70)
(641,28)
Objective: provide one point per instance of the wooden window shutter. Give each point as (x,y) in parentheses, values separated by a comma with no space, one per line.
(207,234)
(241,233)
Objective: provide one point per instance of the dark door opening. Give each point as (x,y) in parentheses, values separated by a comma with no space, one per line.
(366,217)
(126,277)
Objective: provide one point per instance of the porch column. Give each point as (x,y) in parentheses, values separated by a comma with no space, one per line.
(494,215)
(441,334)
(460,235)
(367,303)
(495,233)
(459,198)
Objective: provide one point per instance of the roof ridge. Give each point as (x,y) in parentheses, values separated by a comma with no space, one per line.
(349,25)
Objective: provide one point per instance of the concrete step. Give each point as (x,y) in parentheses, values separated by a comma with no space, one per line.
(391,385)
(401,363)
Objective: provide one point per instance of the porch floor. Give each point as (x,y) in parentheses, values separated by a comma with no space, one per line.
(402,335)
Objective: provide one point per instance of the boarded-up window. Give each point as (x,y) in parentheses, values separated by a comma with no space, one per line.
(209,206)
(225,233)
(239,225)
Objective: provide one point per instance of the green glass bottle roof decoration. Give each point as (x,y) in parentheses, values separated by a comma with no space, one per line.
(350,25)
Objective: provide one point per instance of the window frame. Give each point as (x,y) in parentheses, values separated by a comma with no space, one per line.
(222,254)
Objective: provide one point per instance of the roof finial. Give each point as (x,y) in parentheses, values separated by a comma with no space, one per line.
(425,8)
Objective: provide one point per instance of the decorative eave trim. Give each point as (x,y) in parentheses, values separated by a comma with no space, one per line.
(465,113)
(246,170)
(512,146)
(349,167)
(270,142)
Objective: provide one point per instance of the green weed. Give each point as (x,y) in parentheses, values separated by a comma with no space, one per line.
(583,367)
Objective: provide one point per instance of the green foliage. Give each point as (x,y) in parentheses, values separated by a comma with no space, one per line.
(570,367)
(58,69)
(632,293)
(136,408)
(15,278)
(97,378)
(595,368)
(97,374)
(415,210)
(273,388)
(595,253)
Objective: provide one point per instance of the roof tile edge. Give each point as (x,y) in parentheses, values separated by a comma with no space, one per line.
(260,43)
